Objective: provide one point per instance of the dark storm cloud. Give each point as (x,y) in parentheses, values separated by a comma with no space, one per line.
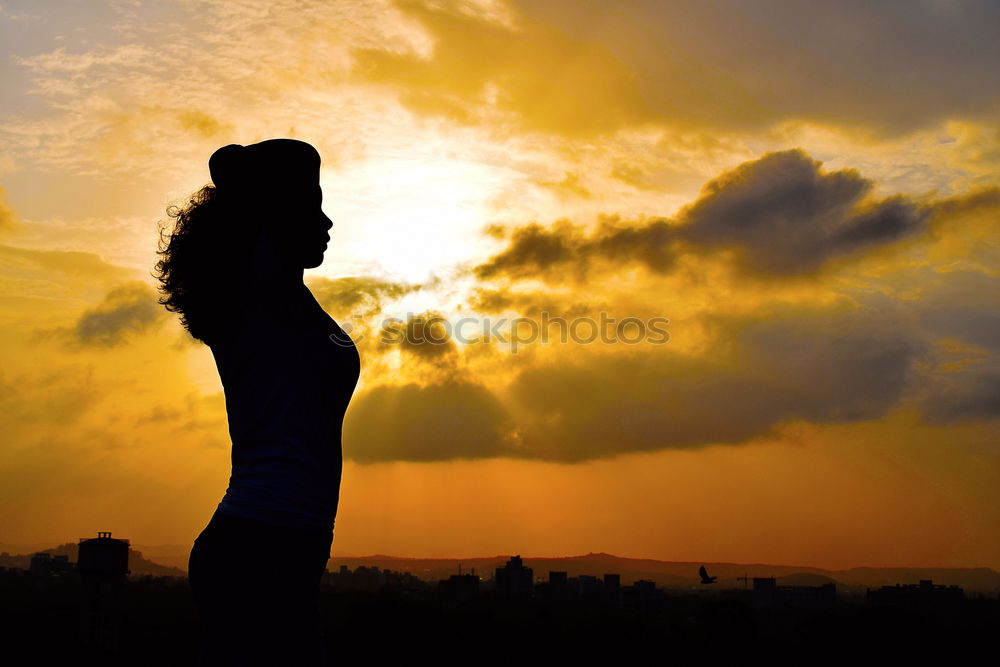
(649,244)
(783,215)
(823,368)
(129,308)
(972,394)
(964,306)
(779,215)
(563,251)
(858,361)
(438,422)
(818,366)
(962,313)
(533,250)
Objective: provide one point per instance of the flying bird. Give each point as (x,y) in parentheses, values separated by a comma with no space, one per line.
(705,579)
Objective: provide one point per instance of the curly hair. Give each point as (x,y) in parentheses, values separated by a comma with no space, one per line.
(201,262)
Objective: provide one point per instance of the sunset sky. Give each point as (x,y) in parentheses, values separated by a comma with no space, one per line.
(809,192)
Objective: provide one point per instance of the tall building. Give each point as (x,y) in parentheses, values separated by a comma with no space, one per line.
(103,568)
(514,580)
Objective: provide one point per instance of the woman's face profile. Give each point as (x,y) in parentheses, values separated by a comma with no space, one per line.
(301,231)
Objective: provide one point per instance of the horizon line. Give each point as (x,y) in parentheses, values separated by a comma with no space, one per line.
(333,556)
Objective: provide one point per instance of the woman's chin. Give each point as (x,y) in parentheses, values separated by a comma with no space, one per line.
(313,261)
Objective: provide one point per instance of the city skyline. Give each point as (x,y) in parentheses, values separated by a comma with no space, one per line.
(53,614)
(672,575)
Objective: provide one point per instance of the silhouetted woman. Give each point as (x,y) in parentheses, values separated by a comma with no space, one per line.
(233,269)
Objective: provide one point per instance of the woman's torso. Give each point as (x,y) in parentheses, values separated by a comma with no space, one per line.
(289,372)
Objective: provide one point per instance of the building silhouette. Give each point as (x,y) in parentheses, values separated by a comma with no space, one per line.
(459,587)
(925,596)
(556,587)
(44,564)
(514,580)
(589,585)
(644,586)
(103,567)
(767,592)
(371,580)
(606,588)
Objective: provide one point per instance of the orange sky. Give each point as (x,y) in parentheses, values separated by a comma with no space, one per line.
(808,193)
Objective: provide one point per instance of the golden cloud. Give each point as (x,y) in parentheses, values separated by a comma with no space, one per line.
(575,69)
(533,73)
(780,215)
(8,222)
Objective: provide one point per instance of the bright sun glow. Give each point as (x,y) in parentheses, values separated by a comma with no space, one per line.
(408,218)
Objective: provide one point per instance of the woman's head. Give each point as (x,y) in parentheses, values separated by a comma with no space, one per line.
(279,179)
(268,190)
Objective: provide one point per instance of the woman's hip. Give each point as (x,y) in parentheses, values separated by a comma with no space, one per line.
(234,552)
